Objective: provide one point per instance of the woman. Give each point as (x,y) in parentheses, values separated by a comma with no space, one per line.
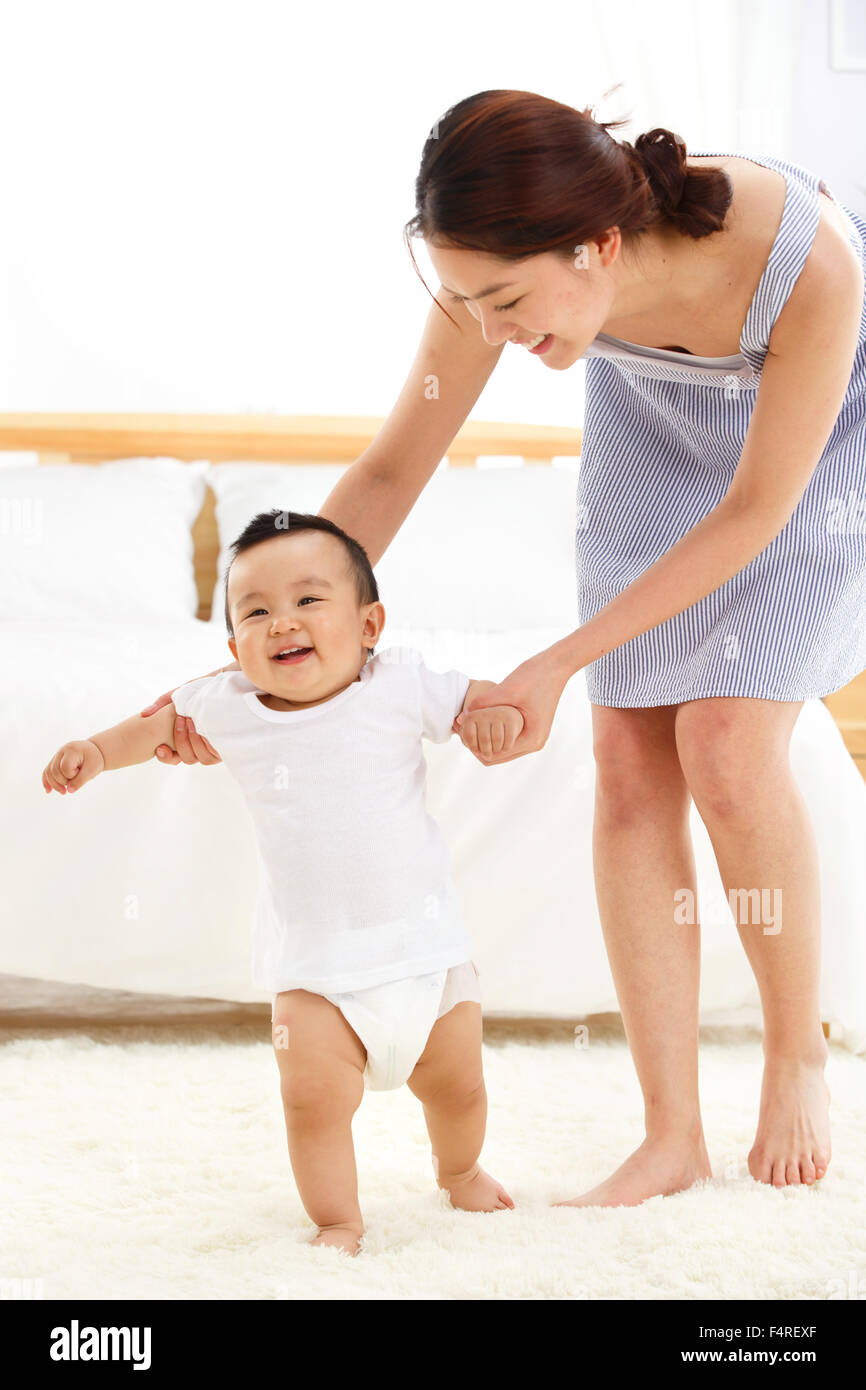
(719,300)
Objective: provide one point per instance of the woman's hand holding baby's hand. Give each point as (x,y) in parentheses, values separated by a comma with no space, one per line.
(73,765)
(191,747)
(533,689)
(487,732)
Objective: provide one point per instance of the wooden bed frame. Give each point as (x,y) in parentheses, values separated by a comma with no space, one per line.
(87,438)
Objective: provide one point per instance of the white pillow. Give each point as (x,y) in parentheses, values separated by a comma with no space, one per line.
(482,550)
(15,458)
(103,541)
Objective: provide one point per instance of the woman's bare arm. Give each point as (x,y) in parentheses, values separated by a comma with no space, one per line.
(451,368)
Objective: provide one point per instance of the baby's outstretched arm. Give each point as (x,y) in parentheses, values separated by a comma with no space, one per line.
(488,731)
(132,741)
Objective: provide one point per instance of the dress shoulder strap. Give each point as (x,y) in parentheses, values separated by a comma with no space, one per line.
(800,217)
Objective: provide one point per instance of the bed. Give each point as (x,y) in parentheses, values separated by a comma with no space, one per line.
(113,529)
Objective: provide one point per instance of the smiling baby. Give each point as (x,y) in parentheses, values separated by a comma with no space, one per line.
(358,935)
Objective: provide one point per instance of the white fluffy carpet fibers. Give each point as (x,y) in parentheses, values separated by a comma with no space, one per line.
(152,1163)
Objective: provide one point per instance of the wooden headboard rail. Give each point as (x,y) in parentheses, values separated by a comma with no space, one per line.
(310,439)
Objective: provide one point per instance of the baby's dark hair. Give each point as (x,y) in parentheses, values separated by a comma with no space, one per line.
(276,522)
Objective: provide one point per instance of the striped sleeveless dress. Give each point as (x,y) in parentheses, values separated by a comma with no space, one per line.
(662,436)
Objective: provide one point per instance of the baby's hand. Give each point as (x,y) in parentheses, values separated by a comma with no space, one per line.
(73,765)
(489,731)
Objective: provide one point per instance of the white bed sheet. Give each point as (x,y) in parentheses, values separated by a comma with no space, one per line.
(146,880)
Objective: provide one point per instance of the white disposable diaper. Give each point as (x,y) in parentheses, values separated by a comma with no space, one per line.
(394,1020)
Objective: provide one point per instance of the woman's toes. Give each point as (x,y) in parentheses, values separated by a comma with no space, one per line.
(792,1174)
(807,1171)
(779,1173)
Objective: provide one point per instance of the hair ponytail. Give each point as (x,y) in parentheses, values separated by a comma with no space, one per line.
(694,200)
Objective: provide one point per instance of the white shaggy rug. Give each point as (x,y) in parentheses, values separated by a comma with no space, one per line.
(151,1163)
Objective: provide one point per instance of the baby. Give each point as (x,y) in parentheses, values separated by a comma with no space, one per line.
(358,934)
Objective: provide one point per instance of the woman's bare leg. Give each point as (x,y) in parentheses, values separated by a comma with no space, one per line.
(642,854)
(734,753)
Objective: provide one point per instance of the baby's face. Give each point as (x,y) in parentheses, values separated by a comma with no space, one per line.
(296,590)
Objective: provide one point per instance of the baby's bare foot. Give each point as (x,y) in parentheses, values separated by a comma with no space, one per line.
(657,1168)
(345,1237)
(792,1145)
(475,1190)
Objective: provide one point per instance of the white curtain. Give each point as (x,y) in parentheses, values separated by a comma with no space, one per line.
(721,73)
(203,203)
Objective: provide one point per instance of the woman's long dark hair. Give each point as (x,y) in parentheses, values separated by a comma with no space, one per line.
(516,174)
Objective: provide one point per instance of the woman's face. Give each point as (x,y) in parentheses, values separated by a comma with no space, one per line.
(518,301)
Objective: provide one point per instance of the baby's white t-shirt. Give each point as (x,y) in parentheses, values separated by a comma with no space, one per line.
(355,887)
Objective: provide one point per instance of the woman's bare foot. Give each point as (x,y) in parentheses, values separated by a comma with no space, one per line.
(345,1237)
(792,1143)
(475,1190)
(658,1167)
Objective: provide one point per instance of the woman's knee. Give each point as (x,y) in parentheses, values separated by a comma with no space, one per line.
(734,753)
(636,759)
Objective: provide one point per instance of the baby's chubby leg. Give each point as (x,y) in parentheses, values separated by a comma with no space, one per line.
(321,1064)
(449,1082)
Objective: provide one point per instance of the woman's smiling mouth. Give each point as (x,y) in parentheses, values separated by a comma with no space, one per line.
(539,344)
